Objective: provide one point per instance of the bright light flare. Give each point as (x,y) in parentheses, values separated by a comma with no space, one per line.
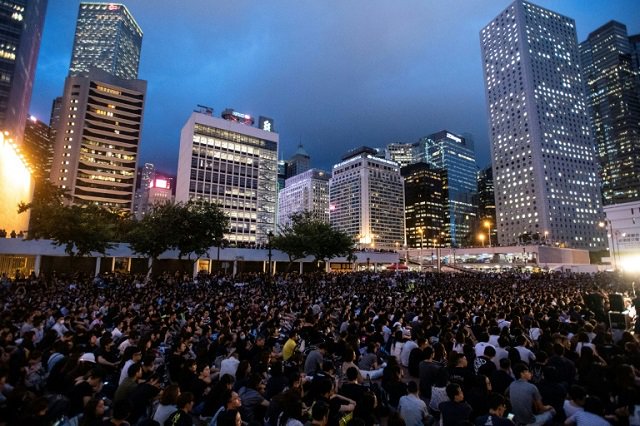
(16,185)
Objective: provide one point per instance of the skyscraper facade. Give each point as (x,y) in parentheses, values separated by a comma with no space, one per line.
(234,165)
(613,98)
(38,148)
(100,115)
(401,153)
(454,154)
(543,156)
(424,201)
(305,192)
(22,22)
(98,139)
(107,37)
(366,197)
(486,204)
(299,162)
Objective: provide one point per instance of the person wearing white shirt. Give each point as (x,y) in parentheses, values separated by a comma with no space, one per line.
(135,355)
(408,346)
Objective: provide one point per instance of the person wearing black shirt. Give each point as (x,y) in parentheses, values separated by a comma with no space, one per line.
(497,408)
(351,388)
(456,411)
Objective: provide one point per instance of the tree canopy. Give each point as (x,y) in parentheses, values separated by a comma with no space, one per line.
(307,236)
(189,228)
(81,228)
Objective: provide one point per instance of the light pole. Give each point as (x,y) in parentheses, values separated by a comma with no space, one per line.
(481,238)
(612,249)
(269,236)
(546,234)
(488,225)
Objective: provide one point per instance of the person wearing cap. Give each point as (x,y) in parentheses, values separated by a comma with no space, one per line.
(526,401)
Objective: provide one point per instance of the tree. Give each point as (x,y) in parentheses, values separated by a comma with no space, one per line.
(307,236)
(155,233)
(80,228)
(189,228)
(289,241)
(202,226)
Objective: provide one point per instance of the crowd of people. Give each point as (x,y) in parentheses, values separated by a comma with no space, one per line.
(323,349)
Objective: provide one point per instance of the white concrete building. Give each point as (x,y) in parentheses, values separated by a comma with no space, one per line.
(234,165)
(305,192)
(366,196)
(543,154)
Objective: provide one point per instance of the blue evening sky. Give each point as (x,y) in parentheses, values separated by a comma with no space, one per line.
(333,74)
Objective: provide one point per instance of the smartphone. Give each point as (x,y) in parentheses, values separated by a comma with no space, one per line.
(510,416)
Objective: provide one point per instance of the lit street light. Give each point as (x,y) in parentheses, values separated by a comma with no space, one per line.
(481,238)
(488,225)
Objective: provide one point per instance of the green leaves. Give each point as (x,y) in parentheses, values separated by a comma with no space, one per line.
(81,228)
(190,228)
(306,236)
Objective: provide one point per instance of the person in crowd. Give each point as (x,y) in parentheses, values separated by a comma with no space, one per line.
(496,415)
(182,416)
(526,400)
(167,404)
(455,411)
(412,409)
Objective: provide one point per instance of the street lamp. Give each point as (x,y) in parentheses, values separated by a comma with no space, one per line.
(612,248)
(488,225)
(546,234)
(481,238)
(269,236)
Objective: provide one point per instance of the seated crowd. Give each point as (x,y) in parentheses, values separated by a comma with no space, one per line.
(357,349)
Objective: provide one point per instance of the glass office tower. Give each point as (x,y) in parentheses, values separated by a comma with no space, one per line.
(613,97)
(107,37)
(456,156)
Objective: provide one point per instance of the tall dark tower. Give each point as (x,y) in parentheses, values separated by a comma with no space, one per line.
(613,97)
(22,22)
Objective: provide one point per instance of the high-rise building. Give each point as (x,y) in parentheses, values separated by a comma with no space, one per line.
(144,176)
(454,154)
(38,148)
(98,138)
(486,204)
(299,162)
(101,111)
(157,189)
(22,22)
(543,155)
(305,192)
(401,153)
(54,119)
(235,165)
(107,37)
(425,201)
(613,98)
(366,197)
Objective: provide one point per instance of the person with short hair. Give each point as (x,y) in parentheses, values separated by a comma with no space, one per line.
(182,417)
(411,408)
(592,415)
(526,400)
(497,408)
(456,410)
